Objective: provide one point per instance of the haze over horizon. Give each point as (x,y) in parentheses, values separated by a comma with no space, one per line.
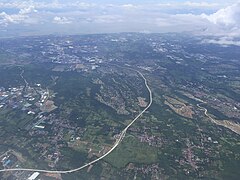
(210,17)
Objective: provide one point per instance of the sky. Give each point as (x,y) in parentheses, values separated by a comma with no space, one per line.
(37,17)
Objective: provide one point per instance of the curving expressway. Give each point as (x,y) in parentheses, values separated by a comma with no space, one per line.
(118,141)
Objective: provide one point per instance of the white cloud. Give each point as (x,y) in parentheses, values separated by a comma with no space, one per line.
(15,18)
(46,5)
(28,10)
(181,22)
(172,16)
(223,41)
(165,4)
(83,5)
(129,6)
(224,22)
(23,16)
(229,16)
(200,4)
(189,5)
(61,20)
(108,19)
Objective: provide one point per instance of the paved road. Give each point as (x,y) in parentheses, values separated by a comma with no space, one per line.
(118,141)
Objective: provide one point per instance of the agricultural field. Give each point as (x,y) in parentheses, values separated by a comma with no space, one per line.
(61,107)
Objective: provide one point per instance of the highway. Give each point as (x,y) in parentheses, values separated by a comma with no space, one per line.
(118,141)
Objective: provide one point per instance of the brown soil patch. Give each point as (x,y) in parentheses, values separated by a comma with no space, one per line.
(79,66)
(179,107)
(48,106)
(59,68)
(142,102)
(55,176)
